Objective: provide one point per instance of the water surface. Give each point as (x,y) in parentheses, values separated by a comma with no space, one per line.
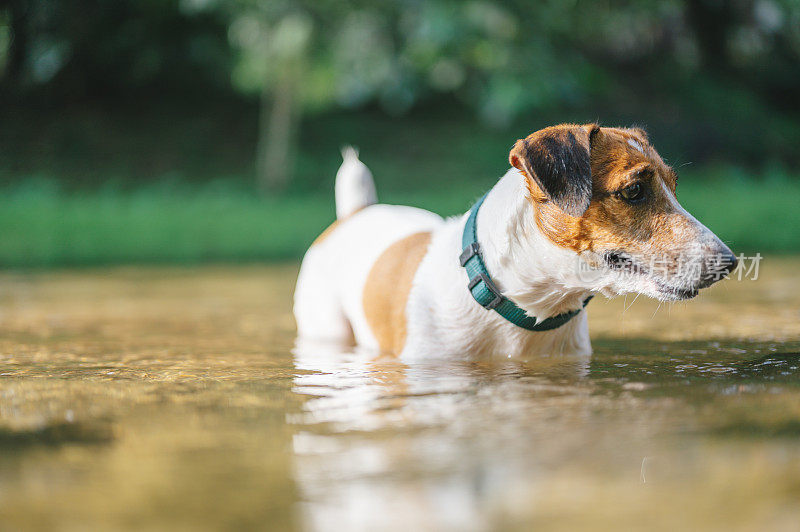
(170,399)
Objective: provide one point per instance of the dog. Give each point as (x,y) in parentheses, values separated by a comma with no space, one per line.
(584,209)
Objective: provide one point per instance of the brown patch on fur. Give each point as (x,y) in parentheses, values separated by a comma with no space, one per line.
(387,287)
(327,232)
(609,223)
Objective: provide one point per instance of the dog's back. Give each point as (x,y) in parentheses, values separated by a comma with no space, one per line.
(330,295)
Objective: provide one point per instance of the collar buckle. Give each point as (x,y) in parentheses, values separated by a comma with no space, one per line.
(470,251)
(488,304)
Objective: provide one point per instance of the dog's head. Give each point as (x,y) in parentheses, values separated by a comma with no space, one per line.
(607,195)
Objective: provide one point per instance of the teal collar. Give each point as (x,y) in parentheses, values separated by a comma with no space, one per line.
(486,293)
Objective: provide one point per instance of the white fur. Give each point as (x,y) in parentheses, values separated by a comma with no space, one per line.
(442,317)
(635,145)
(327,300)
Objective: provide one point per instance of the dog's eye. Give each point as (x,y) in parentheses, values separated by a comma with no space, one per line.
(633,193)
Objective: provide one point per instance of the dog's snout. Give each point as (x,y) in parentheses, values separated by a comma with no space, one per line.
(719,265)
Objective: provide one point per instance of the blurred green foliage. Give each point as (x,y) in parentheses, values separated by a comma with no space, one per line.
(44,226)
(718,79)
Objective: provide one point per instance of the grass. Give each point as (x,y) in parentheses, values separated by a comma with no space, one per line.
(42,226)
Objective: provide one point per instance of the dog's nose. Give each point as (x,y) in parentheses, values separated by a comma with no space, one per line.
(730,261)
(719,265)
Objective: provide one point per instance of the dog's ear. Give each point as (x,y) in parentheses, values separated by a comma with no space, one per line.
(557,160)
(641,132)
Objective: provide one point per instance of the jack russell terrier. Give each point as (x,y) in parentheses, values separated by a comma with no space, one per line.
(584,209)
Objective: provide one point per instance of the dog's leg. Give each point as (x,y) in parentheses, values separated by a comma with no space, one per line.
(317,309)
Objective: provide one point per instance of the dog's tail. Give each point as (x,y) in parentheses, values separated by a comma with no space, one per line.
(354,187)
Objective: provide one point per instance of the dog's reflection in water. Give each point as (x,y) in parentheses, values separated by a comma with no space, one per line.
(409,445)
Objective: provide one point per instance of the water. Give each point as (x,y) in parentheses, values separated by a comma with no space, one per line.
(170,399)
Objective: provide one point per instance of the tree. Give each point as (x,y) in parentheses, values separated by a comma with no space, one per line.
(307,55)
